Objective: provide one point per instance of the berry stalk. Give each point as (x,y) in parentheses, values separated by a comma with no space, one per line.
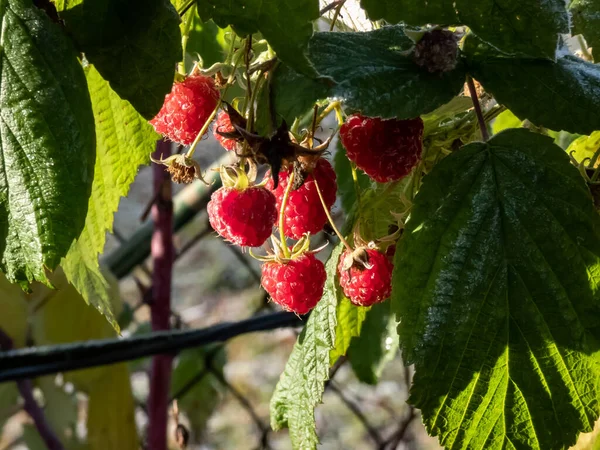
(330,219)
(284,200)
(192,149)
(356,185)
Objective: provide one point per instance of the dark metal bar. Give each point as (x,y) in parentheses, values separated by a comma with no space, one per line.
(36,361)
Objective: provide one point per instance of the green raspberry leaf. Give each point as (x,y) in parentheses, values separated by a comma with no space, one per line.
(302,383)
(134,44)
(586,20)
(47,143)
(349,320)
(124,143)
(496,290)
(286,24)
(371,72)
(376,345)
(515,27)
(561,95)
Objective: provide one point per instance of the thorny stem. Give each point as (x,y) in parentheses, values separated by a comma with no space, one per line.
(482,126)
(336,14)
(331,222)
(30,405)
(284,200)
(163,256)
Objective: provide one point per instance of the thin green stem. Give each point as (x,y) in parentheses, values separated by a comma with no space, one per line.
(331,222)
(584,49)
(284,200)
(356,185)
(249,91)
(594,159)
(187,23)
(192,148)
(257,86)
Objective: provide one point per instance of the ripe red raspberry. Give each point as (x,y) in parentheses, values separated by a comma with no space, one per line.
(366,286)
(386,150)
(223,124)
(186,109)
(296,285)
(304,212)
(243,217)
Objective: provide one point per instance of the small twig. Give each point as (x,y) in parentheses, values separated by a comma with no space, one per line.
(395,439)
(193,241)
(187,387)
(331,6)
(242,400)
(334,369)
(238,254)
(358,413)
(336,14)
(182,435)
(190,384)
(36,413)
(482,126)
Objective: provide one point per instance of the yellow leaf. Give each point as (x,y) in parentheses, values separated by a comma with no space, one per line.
(111,422)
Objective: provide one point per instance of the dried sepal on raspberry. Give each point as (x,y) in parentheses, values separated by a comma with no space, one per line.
(182,168)
(365,275)
(225,131)
(296,282)
(242,212)
(279,150)
(186,109)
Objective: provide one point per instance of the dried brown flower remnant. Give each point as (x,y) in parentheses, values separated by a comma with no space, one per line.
(437,51)
(182,168)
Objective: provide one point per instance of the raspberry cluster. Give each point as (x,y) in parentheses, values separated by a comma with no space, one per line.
(297,192)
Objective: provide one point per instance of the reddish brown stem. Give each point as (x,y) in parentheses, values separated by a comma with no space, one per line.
(162,257)
(482,126)
(31,406)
